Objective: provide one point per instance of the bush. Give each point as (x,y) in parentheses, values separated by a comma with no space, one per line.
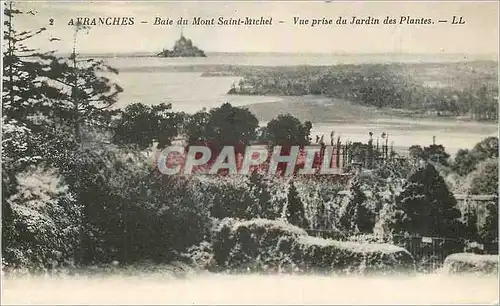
(43,230)
(483,180)
(242,197)
(352,257)
(201,255)
(132,213)
(254,245)
(261,245)
(321,201)
(471,263)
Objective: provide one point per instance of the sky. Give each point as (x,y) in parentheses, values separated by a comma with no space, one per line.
(480,34)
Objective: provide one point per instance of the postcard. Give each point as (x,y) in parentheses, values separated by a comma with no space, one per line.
(250,152)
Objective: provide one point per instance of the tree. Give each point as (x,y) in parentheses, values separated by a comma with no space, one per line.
(426,205)
(288,130)
(488,230)
(172,218)
(83,196)
(434,153)
(24,91)
(26,97)
(28,100)
(231,125)
(260,189)
(228,197)
(416,152)
(467,160)
(469,220)
(295,213)
(464,162)
(142,125)
(51,102)
(437,154)
(17,142)
(88,96)
(196,126)
(225,125)
(486,148)
(53,97)
(484,180)
(355,216)
(130,212)
(358,152)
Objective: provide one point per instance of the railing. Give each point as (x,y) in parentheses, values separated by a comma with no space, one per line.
(478,197)
(458,196)
(429,252)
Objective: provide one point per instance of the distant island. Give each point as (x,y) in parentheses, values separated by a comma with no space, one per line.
(183,48)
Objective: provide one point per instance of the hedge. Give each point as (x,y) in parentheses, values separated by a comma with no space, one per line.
(261,245)
(471,263)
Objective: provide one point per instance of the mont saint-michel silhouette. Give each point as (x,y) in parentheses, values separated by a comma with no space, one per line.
(183,47)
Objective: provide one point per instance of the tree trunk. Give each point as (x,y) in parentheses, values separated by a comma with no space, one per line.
(11,54)
(78,132)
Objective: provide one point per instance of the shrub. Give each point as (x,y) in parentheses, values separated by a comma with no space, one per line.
(321,200)
(295,213)
(471,263)
(43,232)
(201,255)
(351,257)
(275,246)
(242,197)
(256,245)
(354,214)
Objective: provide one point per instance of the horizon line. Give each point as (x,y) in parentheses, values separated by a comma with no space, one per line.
(110,53)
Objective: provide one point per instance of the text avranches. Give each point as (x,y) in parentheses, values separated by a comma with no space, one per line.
(103,20)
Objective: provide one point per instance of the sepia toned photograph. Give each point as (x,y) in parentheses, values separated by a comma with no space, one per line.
(250,152)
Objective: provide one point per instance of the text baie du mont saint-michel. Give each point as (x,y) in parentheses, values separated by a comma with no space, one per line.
(199,21)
